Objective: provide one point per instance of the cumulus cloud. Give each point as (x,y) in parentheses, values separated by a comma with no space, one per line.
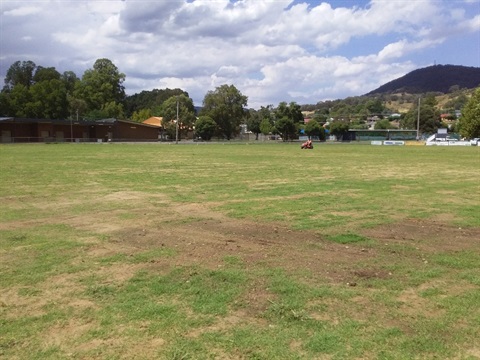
(283,50)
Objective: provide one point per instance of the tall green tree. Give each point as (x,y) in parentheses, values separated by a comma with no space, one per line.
(225,105)
(286,128)
(102,89)
(16,101)
(291,111)
(186,113)
(255,118)
(313,128)
(469,123)
(339,128)
(48,99)
(15,93)
(287,119)
(429,116)
(70,79)
(46,74)
(266,126)
(20,73)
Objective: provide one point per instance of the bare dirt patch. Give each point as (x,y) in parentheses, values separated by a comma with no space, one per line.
(428,235)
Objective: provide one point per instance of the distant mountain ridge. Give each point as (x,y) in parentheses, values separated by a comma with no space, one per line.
(436,78)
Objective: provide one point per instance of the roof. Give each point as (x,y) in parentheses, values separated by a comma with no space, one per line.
(112,121)
(154,121)
(109,121)
(44,121)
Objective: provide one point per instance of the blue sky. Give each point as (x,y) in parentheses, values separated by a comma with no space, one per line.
(271,50)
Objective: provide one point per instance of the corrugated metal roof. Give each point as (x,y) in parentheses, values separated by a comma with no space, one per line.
(154,120)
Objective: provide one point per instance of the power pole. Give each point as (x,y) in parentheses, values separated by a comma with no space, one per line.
(418,120)
(176,127)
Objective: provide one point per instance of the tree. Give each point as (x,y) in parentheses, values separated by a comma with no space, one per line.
(469,123)
(266,126)
(256,118)
(292,111)
(101,86)
(152,100)
(205,127)
(16,101)
(20,73)
(383,124)
(15,93)
(429,116)
(225,105)
(374,106)
(286,128)
(186,113)
(287,119)
(45,74)
(313,128)
(70,79)
(48,98)
(77,107)
(338,128)
(141,115)
(112,109)
(253,121)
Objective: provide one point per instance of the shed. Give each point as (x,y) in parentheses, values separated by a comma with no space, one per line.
(63,130)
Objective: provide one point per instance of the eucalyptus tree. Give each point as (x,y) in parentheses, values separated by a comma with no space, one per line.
(101,88)
(427,118)
(20,73)
(226,106)
(314,129)
(287,119)
(256,117)
(469,123)
(186,114)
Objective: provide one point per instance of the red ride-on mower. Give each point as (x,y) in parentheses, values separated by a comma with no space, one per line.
(307,145)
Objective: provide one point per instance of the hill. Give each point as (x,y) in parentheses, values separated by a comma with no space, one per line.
(437,78)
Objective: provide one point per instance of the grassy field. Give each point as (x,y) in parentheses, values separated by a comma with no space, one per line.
(241,251)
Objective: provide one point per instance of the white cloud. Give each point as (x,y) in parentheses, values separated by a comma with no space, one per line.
(271,50)
(23,11)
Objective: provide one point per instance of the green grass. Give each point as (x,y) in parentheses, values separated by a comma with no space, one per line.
(86,270)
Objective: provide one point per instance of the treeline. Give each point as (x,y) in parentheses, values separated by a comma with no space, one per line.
(42,92)
(33,91)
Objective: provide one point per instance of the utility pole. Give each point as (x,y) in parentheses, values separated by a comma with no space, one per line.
(176,127)
(418,120)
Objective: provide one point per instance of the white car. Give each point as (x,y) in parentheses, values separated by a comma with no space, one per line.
(475,142)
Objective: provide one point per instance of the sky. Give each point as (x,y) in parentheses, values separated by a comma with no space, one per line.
(270,50)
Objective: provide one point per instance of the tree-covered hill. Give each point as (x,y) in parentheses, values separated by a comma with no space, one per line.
(437,78)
